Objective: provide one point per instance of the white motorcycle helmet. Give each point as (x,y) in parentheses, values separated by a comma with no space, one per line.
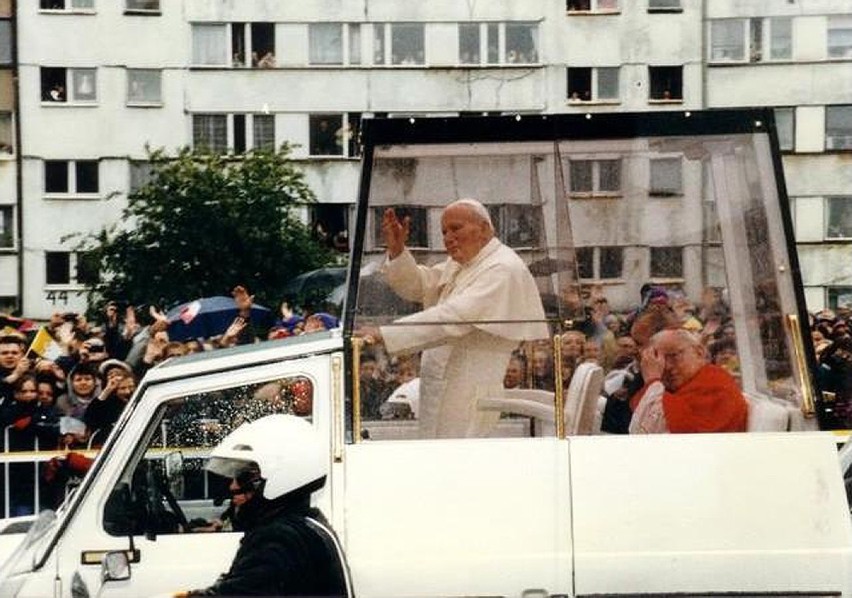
(285,448)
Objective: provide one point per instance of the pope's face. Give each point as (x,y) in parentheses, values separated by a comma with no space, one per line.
(464,233)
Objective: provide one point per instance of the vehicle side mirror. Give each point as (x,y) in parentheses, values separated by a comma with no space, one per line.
(115,566)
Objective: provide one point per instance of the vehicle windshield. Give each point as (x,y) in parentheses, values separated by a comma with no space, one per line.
(677,213)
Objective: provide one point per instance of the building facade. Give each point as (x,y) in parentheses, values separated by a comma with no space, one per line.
(85,85)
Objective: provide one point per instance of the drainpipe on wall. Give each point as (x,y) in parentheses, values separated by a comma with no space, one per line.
(19,164)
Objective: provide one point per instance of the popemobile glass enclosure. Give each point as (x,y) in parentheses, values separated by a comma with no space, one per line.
(612,214)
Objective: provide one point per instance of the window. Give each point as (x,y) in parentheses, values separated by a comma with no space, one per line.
(252,44)
(591,5)
(5,42)
(209,45)
(592,84)
(263,130)
(72,177)
(839,297)
(330,223)
(840,37)
(142,6)
(334,134)
(516,225)
(838,217)
(210,131)
(666,83)
(480,43)
(600,263)
(73,85)
(418,226)
(838,127)
(7,227)
(66,4)
(595,177)
(664,6)
(65,267)
(192,425)
(141,173)
(785,124)
(751,40)
(144,87)
(6,139)
(666,177)
(666,262)
(399,43)
(334,43)
(521,43)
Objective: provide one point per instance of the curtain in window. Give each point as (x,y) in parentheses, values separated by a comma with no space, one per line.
(264,131)
(210,131)
(727,40)
(208,44)
(326,43)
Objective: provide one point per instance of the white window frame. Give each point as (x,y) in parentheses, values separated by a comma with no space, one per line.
(845,199)
(661,192)
(839,23)
(71,192)
(230,134)
(839,142)
(7,227)
(596,191)
(158,75)
(595,85)
(384,31)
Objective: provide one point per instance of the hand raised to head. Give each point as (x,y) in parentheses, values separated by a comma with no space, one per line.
(395,232)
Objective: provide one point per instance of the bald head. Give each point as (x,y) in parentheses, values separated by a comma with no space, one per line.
(466,226)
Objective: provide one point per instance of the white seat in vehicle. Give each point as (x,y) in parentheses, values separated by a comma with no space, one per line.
(581,403)
(765,414)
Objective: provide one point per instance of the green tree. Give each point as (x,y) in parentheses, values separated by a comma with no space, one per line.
(203,224)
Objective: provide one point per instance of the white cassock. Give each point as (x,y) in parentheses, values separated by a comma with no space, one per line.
(474,316)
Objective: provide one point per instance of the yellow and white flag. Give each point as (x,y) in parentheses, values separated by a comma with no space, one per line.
(45,346)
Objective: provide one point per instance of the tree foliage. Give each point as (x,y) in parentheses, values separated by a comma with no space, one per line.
(204,223)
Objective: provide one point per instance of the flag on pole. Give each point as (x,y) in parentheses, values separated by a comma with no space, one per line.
(45,346)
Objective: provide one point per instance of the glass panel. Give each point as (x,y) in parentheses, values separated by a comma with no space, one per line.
(727,40)
(839,297)
(87,176)
(56,176)
(469,43)
(326,132)
(840,37)
(208,45)
(664,3)
(521,43)
(666,176)
(143,4)
(407,44)
(839,219)
(378,43)
(84,84)
(354,43)
(141,173)
(5,42)
(57,267)
(785,120)
(7,227)
(82,3)
(6,141)
(716,262)
(143,86)
(210,131)
(608,83)
(781,38)
(838,127)
(194,424)
(264,131)
(326,43)
(493,31)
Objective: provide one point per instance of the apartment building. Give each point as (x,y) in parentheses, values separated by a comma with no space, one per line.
(86,84)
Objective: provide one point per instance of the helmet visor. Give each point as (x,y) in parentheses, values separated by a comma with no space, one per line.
(232,468)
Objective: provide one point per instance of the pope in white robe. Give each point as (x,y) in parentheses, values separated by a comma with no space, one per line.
(479,305)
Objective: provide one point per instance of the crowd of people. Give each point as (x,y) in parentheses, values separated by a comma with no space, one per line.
(64,386)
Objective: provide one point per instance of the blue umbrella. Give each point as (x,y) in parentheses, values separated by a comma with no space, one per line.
(208,316)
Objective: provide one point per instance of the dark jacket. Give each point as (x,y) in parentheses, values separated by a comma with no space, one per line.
(287,550)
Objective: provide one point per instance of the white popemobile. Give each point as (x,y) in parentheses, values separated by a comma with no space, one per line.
(546,505)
